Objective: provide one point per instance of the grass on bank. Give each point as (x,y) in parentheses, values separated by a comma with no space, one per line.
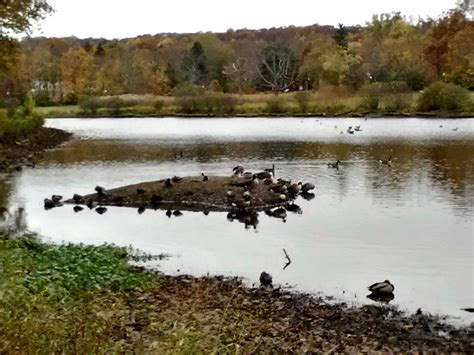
(64,298)
(377,98)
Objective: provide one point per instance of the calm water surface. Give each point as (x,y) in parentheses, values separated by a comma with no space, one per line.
(411,224)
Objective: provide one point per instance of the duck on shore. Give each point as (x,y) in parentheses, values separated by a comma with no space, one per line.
(238,170)
(384,287)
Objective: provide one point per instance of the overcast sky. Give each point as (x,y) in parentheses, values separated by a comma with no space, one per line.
(124,18)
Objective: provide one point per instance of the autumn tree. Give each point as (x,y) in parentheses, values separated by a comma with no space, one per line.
(17,17)
(277,67)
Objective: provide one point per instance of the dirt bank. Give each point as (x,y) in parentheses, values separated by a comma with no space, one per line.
(215,314)
(26,150)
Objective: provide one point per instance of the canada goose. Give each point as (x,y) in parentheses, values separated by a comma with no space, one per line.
(204,177)
(176,178)
(268,181)
(357,128)
(48,204)
(455,129)
(168,213)
(265,279)
(56,198)
(334,165)
(270,170)
(238,170)
(387,162)
(308,196)
(350,130)
(241,204)
(294,189)
(384,287)
(100,190)
(78,209)
(280,189)
(177,213)
(264,175)
(141,209)
(77,198)
(307,187)
(277,213)
(101,210)
(248,175)
(168,183)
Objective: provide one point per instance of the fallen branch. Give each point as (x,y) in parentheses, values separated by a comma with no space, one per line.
(287,258)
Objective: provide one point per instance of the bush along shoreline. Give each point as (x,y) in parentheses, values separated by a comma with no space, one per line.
(23,139)
(373,100)
(88,299)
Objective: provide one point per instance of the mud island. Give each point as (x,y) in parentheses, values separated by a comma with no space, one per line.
(245,191)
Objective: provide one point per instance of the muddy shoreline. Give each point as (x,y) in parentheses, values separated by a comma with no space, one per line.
(16,152)
(276,320)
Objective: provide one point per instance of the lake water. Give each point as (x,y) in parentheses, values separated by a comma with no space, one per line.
(411,224)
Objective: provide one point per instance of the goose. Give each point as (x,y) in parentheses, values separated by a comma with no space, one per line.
(264,175)
(307,187)
(268,181)
(141,209)
(270,170)
(248,175)
(455,129)
(100,190)
(77,198)
(238,170)
(176,179)
(101,210)
(387,162)
(48,204)
(168,183)
(277,213)
(168,213)
(56,198)
(266,279)
(177,213)
(204,177)
(384,287)
(334,165)
(294,189)
(357,128)
(280,189)
(242,204)
(350,130)
(230,194)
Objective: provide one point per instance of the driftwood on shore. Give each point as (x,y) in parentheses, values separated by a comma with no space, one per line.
(217,193)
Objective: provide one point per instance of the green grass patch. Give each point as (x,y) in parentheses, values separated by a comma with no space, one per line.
(64,298)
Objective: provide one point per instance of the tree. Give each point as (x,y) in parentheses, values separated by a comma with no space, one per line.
(17,16)
(20,15)
(340,36)
(195,65)
(277,66)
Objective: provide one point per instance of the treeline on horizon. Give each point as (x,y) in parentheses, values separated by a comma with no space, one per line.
(388,49)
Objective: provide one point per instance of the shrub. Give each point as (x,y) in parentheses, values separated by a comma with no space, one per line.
(11,104)
(158,105)
(206,102)
(443,96)
(89,105)
(276,105)
(302,99)
(43,100)
(371,95)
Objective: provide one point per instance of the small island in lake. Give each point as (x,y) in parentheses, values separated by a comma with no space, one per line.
(219,193)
